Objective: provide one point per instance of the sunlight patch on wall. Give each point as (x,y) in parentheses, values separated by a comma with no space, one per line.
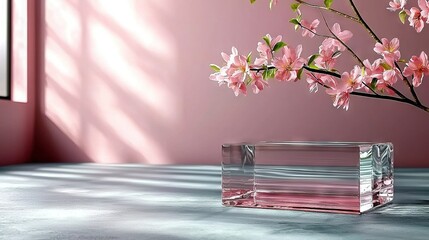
(123,128)
(142,24)
(61,68)
(109,76)
(63,21)
(123,64)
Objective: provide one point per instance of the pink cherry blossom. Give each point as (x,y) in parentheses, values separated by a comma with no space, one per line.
(265,50)
(222,76)
(418,67)
(424,6)
(416,19)
(353,80)
(348,83)
(384,87)
(327,57)
(374,70)
(391,76)
(309,26)
(314,79)
(234,73)
(344,36)
(237,67)
(289,64)
(389,50)
(237,74)
(238,87)
(313,82)
(258,83)
(385,78)
(342,99)
(341,94)
(229,58)
(396,5)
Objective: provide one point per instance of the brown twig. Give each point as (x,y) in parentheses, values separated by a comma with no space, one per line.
(328,9)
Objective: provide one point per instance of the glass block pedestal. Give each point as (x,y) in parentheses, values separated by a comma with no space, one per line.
(339,177)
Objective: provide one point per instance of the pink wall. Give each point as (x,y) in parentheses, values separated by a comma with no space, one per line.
(127,81)
(17,115)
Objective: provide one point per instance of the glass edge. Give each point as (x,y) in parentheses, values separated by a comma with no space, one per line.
(306,143)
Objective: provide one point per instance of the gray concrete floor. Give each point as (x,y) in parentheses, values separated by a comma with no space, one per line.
(94,201)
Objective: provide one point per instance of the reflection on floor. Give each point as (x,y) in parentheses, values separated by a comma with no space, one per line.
(100,201)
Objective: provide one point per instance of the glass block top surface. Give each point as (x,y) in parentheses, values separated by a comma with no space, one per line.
(347,177)
(303,143)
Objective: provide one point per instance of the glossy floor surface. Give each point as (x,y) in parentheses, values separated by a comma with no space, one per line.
(93,201)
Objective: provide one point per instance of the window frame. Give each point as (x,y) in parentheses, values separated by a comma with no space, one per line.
(8,51)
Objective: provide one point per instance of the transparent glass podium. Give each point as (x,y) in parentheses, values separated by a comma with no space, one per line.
(339,177)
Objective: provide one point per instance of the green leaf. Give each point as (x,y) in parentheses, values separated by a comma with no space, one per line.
(249,57)
(252,1)
(385,66)
(265,74)
(373,83)
(248,80)
(294,21)
(267,40)
(278,46)
(215,67)
(295,6)
(312,58)
(402,16)
(299,74)
(271,72)
(328,3)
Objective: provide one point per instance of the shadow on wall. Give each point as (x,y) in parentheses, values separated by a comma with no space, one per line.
(107,81)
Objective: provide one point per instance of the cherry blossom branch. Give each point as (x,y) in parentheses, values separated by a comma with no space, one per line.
(342,42)
(239,73)
(397,92)
(328,9)
(350,50)
(402,98)
(384,97)
(377,39)
(262,69)
(322,71)
(407,82)
(313,32)
(361,21)
(368,95)
(320,82)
